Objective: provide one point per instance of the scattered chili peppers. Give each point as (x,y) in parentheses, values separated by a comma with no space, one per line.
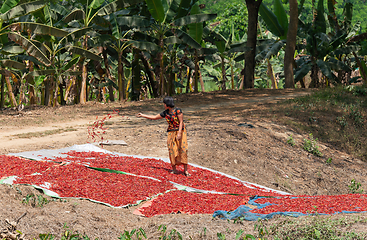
(192,203)
(75,180)
(323,204)
(96,131)
(200,178)
(12,165)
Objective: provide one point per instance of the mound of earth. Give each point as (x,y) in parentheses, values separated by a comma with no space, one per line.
(228,131)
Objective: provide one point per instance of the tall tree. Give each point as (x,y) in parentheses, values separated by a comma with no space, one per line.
(291,44)
(249,70)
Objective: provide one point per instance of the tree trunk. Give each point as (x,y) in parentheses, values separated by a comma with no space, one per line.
(361,68)
(121,78)
(188,80)
(253,13)
(232,77)
(2,91)
(201,81)
(223,74)
(83,90)
(136,77)
(108,74)
(291,44)
(151,78)
(314,76)
(32,94)
(196,85)
(161,66)
(10,90)
(270,73)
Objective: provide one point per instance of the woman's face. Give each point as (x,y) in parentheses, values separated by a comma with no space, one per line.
(165,106)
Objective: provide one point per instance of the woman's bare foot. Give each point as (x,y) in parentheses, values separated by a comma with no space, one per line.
(187,174)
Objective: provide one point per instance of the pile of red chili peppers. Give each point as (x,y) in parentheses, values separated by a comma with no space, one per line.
(77,175)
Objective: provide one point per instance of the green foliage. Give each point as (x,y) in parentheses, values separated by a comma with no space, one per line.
(355,187)
(310,145)
(35,200)
(314,228)
(231,13)
(173,234)
(67,235)
(139,234)
(291,141)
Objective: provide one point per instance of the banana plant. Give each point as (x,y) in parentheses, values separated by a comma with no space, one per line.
(10,10)
(324,46)
(88,14)
(55,56)
(170,18)
(10,70)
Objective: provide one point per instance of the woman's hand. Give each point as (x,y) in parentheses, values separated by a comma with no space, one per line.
(178,136)
(139,115)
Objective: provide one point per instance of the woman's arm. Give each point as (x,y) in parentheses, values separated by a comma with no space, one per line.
(151,117)
(180,119)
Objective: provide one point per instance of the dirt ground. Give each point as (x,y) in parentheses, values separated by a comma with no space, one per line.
(220,137)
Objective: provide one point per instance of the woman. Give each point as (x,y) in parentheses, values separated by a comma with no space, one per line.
(177,135)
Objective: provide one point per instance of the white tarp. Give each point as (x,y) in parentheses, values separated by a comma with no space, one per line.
(54,153)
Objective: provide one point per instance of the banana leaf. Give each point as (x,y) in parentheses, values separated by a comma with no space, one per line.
(196,29)
(8,4)
(188,39)
(281,16)
(240,57)
(354,31)
(206,51)
(271,21)
(22,9)
(320,22)
(77,14)
(77,34)
(133,21)
(156,9)
(95,4)
(239,48)
(116,5)
(301,72)
(172,40)
(173,10)
(143,45)
(82,52)
(185,8)
(274,49)
(194,19)
(338,65)
(71,63)
(72,73)
(346,50)
(12,49)
(221,46)
(38,28)
(326,70)
(30,47)
(12,64)
(38,73)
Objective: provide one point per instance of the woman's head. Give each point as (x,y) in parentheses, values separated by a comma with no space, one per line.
(169,102)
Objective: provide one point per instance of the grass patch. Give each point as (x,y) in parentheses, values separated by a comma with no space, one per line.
(44,133)
(317,227)
(337,116)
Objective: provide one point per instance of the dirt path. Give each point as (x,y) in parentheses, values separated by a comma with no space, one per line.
(218,139)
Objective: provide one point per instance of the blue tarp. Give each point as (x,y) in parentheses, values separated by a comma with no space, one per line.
(243,212)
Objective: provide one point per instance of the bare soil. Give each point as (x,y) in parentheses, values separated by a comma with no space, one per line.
(220,137)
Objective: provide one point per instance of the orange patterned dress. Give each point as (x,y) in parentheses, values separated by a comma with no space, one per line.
(177,149)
